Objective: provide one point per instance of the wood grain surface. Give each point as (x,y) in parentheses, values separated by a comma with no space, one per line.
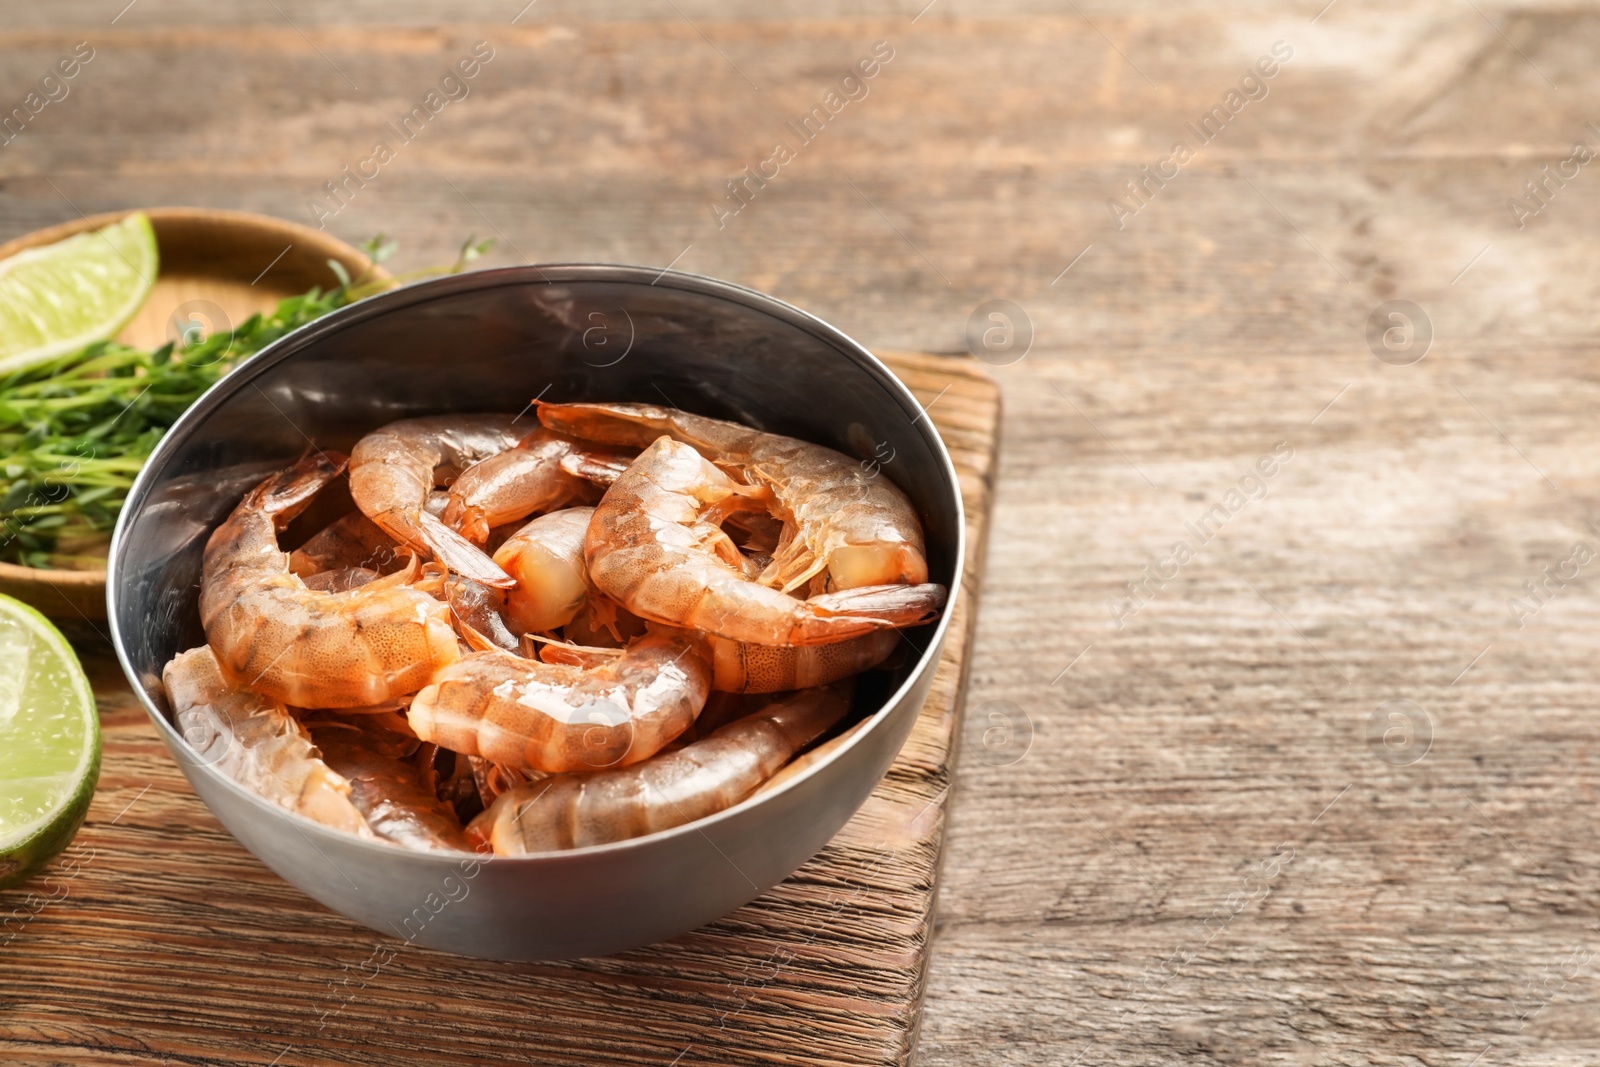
(1102,901)
(159,939)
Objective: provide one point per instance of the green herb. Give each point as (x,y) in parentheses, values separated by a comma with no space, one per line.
(75,431)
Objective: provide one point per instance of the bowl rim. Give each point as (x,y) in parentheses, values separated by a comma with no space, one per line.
(431,289)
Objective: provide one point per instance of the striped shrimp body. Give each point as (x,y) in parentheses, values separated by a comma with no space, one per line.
(532,715)
(389,794)
(700,779)
(542,472)
(254,740)
(738,667)
(304,647)
(394,470)
(655,546)
(844,526)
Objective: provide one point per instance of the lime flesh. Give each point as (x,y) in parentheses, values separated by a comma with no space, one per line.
(58,298)
(49,742)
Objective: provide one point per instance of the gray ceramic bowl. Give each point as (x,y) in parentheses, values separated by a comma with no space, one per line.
(492,340)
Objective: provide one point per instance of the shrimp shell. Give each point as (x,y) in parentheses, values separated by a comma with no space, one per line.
(804,763)
(512,485)
(546,559)
(552,590)
(528,714)
(856,526)
(340,580)
(390,794)
(353,541)
(256,742)
(705,777)
(654,545)
(745,668)
(393,471)
(477,609)
(301,647)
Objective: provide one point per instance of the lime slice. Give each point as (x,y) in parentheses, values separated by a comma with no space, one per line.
(60,297)
(49,742)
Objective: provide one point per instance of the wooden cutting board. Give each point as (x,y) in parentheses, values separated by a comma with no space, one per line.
(158,939)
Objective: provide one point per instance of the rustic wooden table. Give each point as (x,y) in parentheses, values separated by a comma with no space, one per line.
(1274,747)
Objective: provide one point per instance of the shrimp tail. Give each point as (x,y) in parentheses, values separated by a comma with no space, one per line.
(476,609)
(286,494)
(460,555)
(893,605)
(601,468)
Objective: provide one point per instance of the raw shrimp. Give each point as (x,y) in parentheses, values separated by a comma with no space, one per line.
(852,527)
(299,646)
(739,667)
(804,763)
(478,610)
(700,779)
(340,579)
(386,733)
(558,717)
(353,541)
(255,741)
(655,545)
(546,559)
(394,469)
(390,794)
(536,475)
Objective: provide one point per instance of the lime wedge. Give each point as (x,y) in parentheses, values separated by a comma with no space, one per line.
(49,742)
(60,297)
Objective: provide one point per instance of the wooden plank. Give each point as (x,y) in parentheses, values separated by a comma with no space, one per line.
(166,941)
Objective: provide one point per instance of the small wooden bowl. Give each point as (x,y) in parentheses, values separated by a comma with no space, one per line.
(217,269)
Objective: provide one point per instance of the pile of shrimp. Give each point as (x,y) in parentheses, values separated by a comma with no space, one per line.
(626,620)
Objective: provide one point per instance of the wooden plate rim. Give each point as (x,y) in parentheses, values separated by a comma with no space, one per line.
(69,586)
